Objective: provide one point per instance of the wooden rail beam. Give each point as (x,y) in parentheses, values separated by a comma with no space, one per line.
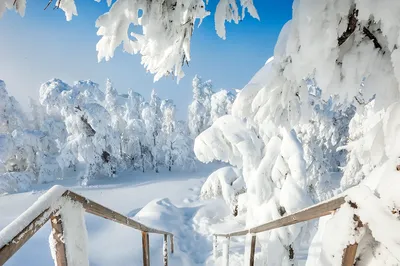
(101,211)
(317,211)
(7,251)
(57,234)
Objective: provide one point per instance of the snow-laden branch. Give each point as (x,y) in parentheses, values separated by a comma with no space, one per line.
(166,28)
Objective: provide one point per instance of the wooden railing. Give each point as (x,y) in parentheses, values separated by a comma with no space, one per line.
(316,211)
(15,235)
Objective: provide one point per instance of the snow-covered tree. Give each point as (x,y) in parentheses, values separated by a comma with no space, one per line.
(28,152)
(349,48)
(151,116)
(177,144)
(168,131)
(323,138)
(207,106)
(199,110)
(183,147)
(221,104)
(91,139)
(11,115)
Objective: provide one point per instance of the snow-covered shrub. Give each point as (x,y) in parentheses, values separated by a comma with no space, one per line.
(226,182)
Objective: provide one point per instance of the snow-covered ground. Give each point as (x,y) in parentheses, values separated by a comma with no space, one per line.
(169,201)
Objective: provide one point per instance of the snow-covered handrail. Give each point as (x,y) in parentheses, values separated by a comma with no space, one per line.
(50,207)
(313,212)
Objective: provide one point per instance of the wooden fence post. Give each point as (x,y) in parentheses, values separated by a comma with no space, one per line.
(215,248)
(351,250)
(252,249)
(57,234)
(172,243)
(146,249)
(350,255)
(165,250)
(226,252)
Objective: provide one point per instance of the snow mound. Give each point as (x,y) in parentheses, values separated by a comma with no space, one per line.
(160,213)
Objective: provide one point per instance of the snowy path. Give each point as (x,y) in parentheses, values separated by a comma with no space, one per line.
(168,201)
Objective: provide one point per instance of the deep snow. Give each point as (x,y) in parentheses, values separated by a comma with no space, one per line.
(168,201)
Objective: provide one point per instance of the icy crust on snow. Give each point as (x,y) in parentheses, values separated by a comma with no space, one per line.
(44,202)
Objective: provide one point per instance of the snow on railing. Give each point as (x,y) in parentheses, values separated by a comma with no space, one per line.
(313,212)
(68,239)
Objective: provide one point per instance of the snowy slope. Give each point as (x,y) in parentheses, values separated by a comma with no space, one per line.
(169,201)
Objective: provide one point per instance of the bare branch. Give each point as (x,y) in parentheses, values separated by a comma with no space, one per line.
(351,27)
(369,34)
(48,4)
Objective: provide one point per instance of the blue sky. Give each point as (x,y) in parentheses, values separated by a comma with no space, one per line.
(42,45)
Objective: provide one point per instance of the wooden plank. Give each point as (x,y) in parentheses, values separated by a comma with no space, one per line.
(7,251)
(106,213)
(146,249)
(57,234)
(172,243)
(165,250)
(252,249)
(316,211)
(349,255)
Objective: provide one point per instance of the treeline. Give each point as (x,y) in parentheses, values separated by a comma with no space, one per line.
(82,131)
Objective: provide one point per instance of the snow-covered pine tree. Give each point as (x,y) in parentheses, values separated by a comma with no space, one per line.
(168,132)
(151,115)
(221,104)
(199,111)
(183,147)
(90,137)
(11,115)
